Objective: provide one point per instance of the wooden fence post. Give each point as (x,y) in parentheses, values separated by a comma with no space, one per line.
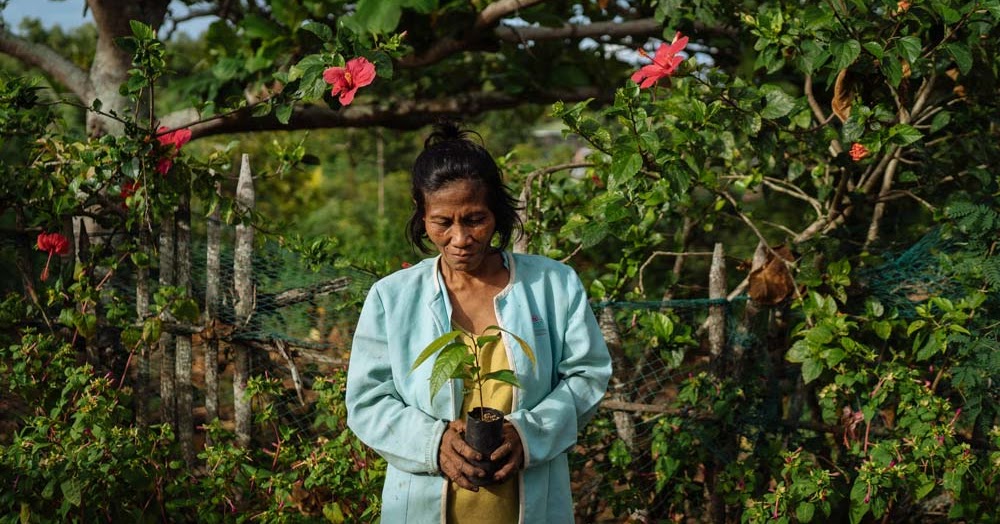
(185,417)
(243,281)
(167,355)
(717,313)
(212,267)
(141,312)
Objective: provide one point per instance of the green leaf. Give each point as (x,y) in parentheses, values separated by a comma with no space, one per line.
(421,6)
(963,57)
(435,346)
(893,70)
(812,56)
(448,365)
(904,134)
(811,370)
(882,329)
(323,31)
(804,512)
(283,113)
(929,349)
(487,339)
(71,491)
(378,16)
(845,53)
(141,30)
(151,330)
(625,165)
(255,26)
(503,375)
(525,347)
(940,120)
(915,325)
(778,102)
(875,49)
(909,48)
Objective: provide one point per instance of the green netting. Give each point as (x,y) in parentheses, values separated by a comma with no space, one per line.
(911,277)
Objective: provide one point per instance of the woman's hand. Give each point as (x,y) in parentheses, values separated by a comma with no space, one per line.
(454,456)
(512,449)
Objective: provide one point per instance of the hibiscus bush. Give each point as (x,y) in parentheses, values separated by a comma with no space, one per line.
(851,150)
(71,448)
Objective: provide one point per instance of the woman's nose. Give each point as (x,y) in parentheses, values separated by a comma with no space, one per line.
(463,235)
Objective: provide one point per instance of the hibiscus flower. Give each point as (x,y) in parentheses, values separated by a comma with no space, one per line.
(175,138)
(859,151)
(664,63)
(128,189)
(356,73)
(55,244)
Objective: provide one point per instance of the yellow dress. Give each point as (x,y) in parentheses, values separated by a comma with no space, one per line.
(496,504)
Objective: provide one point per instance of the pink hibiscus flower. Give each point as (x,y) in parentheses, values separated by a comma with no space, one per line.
(664,63)
(356,73)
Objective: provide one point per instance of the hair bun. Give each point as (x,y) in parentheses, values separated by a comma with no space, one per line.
(446,131)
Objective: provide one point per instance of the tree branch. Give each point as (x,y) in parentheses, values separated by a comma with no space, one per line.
(640,27)
(400,114)
(45,58)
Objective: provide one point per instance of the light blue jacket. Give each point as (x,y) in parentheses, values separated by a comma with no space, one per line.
(390,408)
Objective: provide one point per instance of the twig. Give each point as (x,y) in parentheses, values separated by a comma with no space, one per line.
(655,254)
(780,186)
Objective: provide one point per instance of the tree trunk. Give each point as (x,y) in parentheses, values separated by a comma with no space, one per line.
(110,67)
(243,281)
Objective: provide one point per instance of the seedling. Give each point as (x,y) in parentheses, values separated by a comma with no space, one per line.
(458,360)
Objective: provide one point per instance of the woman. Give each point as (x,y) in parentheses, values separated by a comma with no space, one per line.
(466,213)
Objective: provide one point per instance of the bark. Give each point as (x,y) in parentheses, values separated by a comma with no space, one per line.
(110,66)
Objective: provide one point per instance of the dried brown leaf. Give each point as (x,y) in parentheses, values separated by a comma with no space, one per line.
(843,95)
(772,283)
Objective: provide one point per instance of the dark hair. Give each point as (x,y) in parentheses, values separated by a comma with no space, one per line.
(448,156)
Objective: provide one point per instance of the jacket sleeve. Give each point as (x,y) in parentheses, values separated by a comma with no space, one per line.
(407,437)
(551,427)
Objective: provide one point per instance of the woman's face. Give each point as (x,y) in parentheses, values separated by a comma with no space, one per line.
(460,224)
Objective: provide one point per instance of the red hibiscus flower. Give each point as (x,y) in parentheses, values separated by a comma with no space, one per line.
(664,63)
(859,151)
(357,72)
(178,138)
(128,189)
(405,265)
(54,243)
(175,138)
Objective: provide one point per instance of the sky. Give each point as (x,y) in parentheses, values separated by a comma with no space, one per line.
(69,14)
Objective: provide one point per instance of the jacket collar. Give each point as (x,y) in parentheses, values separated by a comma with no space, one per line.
(440,305)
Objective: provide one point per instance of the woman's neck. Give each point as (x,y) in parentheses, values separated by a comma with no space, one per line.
(491,274)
